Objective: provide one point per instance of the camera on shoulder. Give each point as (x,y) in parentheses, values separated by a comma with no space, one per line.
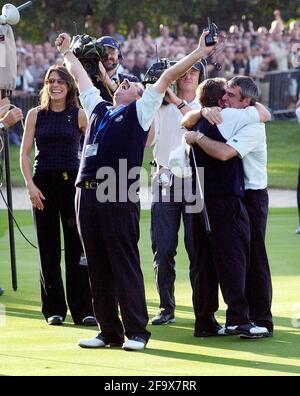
(213,30)
(89,52)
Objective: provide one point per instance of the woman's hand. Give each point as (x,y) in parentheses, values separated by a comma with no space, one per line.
(36,196)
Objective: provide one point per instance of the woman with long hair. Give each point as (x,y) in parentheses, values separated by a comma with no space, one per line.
(56,127)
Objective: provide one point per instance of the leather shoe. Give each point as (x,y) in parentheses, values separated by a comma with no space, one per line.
(89,321)
(55,320)
(248,331)
(162,319)
(219,331)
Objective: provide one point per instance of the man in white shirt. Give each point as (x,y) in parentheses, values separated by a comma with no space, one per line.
(110,228)
(248,143)
(170,197)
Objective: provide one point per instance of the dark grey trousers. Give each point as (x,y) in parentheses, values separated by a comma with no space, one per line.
(259,283)
(110,234)
(165,225)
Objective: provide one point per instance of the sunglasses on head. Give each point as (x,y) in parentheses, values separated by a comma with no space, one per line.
(59,81)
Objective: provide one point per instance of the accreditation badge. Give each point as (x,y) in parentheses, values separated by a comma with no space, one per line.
(91,150)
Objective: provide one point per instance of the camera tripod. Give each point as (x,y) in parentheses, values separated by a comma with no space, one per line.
(6,153)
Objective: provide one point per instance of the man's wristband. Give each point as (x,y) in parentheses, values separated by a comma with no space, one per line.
(181,105)
(200,136)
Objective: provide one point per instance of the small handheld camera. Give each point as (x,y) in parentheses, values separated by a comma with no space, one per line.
(213,31)
(156,70)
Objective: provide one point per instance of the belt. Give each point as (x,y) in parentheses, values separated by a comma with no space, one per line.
(90,185)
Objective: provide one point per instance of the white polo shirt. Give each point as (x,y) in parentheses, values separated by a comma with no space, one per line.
(247,135)
(168,131)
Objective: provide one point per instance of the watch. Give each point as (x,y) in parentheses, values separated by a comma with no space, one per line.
(2,126)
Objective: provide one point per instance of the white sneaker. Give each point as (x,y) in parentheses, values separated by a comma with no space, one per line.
(97,342)
(134,344)
(298,231)
(249,330)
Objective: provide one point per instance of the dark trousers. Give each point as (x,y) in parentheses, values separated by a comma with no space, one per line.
(110,235)
(259,283)
(222,256)
(59,205)
(298,194)
(165,224)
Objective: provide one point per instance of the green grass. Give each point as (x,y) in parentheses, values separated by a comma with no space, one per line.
(283,153)
(29,347)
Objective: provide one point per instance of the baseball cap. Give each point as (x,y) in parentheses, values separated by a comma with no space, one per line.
(198,66)
(109,41)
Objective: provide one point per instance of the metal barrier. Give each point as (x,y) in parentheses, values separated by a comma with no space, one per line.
(26,103)
(284,88)
(279,90)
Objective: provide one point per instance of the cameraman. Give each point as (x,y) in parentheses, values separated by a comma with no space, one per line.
(110,228)
(109,79)
(9,119)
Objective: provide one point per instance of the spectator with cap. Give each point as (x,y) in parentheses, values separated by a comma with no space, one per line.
(109,77)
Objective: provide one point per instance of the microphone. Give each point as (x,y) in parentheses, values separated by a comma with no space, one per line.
(25,5)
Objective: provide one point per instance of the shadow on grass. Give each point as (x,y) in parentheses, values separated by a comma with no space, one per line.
(230,362)
(278,320)
(36,315)
(285,344)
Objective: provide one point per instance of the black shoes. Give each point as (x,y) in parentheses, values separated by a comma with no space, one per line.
(219,331)
(55,320)
(88,321)
(163,318)
(1,291)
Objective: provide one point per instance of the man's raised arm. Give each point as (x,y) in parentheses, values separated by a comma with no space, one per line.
(73,65)
(173,73)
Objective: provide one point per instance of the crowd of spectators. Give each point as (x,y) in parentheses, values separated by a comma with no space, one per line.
(247,51)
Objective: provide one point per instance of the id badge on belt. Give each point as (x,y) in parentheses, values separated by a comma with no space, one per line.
(91,150)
